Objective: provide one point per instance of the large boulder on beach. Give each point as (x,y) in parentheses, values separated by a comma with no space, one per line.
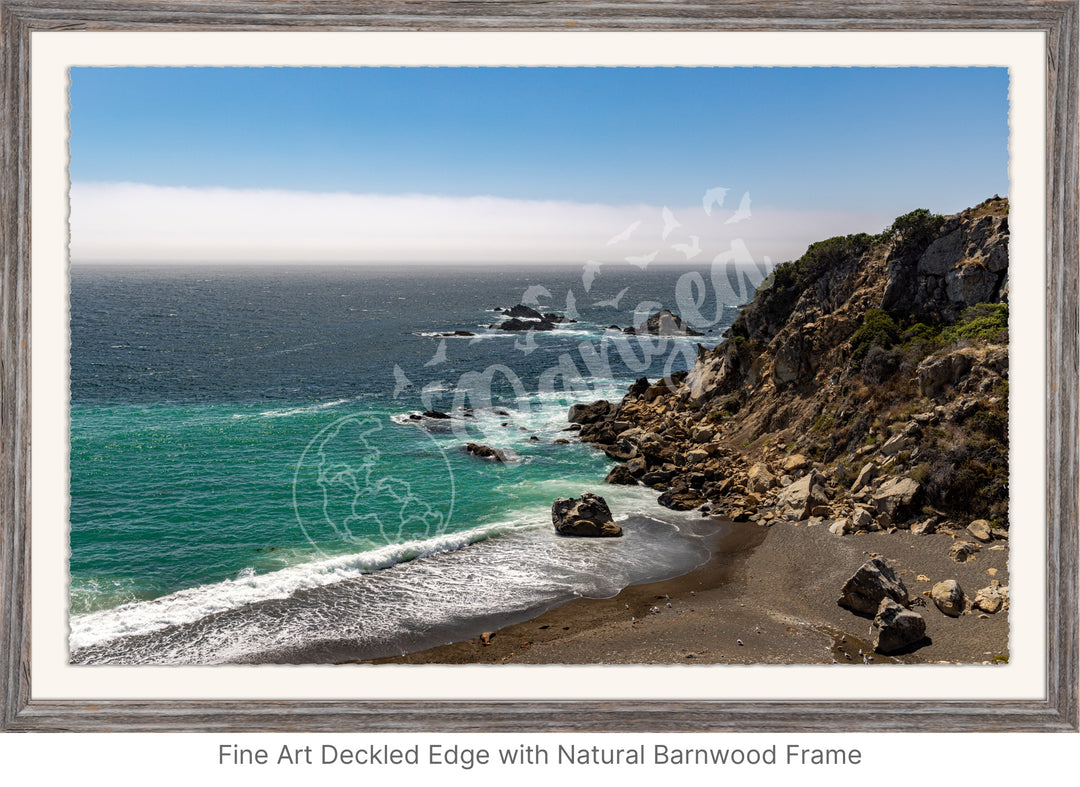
(989,600)
(587,516)
(897,627)
(874,581)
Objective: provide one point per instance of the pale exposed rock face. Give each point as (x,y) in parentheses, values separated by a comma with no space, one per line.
(874,581)
(965,265)
(949,597)
(942,372)
(588,515)
(705,378)
(861,519)
(897,627)
(925,528)
(841,527)
(796,358)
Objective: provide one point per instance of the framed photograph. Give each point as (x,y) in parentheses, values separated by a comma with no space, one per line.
(540,369)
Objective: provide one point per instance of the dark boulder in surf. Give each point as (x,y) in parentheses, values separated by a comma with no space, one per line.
(521,310)
(620,475)
(517,324)
(587,516)
(486,452)
(590,413)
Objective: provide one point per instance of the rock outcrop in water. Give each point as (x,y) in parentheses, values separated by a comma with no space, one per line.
(486,452)
(526,318)
(662,323)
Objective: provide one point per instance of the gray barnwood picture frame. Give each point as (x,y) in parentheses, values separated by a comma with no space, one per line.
(1056,18)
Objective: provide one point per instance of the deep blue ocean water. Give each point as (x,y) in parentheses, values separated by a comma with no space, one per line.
(250,482)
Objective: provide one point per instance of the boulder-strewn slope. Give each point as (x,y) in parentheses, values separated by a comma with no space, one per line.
(866,386)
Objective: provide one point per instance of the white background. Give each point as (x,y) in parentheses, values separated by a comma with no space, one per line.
(931,759)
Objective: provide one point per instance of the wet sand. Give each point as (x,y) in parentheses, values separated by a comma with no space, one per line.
(772,589)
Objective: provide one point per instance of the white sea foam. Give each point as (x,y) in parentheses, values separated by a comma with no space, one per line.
(313,408)
(192,604)
(395,598)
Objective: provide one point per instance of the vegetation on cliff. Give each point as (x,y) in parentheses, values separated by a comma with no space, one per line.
(873,371)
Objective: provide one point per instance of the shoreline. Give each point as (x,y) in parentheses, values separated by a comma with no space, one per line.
(773,589)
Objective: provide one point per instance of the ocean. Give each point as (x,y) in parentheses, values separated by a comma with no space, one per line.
(253,478)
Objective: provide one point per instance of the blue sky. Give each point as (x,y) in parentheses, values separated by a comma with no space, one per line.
(813,148)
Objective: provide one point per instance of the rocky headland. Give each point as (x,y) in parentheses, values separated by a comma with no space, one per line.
(864,389)
(848,444)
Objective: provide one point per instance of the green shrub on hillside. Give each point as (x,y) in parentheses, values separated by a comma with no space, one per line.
(914,231)
(778,293)
(988,322)
(879,329)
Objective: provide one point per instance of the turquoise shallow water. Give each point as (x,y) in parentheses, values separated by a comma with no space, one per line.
(249,480)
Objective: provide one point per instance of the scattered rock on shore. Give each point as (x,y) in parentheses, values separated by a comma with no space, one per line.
(587,516)
(963,551)
(980,528)
(897,627)
(989,599)
(949,597)
(874,581)
(680,498)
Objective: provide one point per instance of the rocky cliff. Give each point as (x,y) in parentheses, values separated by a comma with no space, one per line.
(865,387)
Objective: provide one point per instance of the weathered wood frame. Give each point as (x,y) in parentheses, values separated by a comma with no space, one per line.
(1056,18)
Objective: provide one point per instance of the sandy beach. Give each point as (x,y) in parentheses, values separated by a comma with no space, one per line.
(767,596)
